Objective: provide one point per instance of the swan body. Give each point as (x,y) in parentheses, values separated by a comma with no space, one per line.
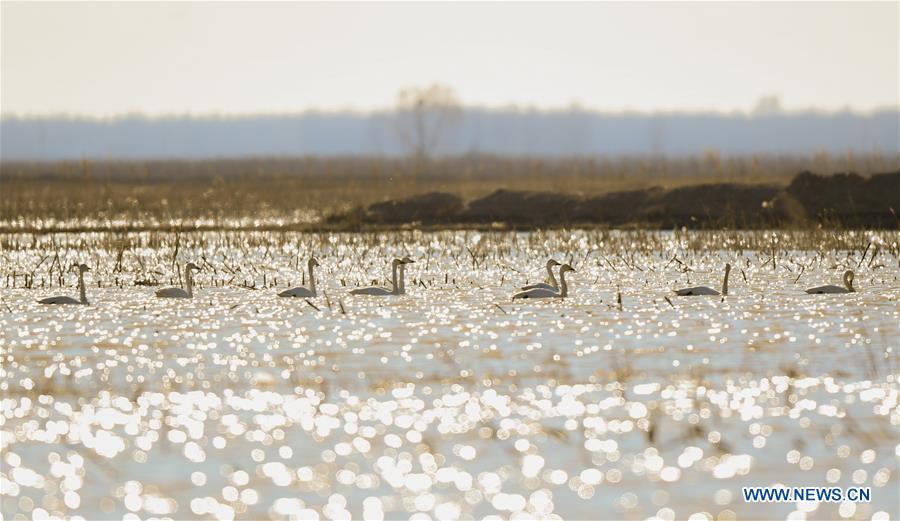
(374,291)
(553,285)
(847,288)
(61,299)
(537,293)
(549,293)
(188,292)
(696,290)
(82,292)
(397,287)
(301,291)
(173,293)
(705,290)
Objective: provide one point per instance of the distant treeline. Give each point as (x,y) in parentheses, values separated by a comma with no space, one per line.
(511,132)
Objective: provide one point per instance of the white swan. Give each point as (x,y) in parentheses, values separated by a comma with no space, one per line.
(82,293)
(704,290)
(553,285)
(188,292)
(549,293)
(382,291)
(300,291)
(848,286)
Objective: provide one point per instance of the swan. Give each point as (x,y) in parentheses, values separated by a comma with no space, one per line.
(549,293)
(704,290)
(379,290)
(300,291)
(406,260)
(553,285)
(848,283)
(178,292)
(82,294)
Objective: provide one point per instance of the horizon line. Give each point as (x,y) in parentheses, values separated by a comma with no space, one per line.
(512,108)
(861,154)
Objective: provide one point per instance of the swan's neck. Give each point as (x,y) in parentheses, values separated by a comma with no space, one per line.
(563,287)
(849,283)
(551,277)
(725,283)
(312,281)
(396,288)
(189,282)
(402,279)
(82,291)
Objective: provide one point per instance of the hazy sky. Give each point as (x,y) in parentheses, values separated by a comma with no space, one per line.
(236,57)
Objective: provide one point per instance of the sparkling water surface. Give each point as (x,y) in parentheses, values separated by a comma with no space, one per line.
(622,401)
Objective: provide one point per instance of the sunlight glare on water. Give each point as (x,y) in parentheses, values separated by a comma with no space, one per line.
(451,401)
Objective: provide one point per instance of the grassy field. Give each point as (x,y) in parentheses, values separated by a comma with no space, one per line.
(305,189)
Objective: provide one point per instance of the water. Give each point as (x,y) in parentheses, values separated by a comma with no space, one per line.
(451,401)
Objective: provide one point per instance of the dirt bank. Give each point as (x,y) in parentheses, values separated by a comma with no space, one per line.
(848,200)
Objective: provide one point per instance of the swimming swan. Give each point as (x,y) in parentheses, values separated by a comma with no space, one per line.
(300,291)
(62,299)
(178,292)
(543,285)
(704,290)
(848,286)
(382,291)
(549,293)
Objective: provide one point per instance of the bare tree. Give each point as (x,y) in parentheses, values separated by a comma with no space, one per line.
(423,116)
(768,106)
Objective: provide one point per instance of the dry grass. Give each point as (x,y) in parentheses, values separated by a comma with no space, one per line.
(303,189)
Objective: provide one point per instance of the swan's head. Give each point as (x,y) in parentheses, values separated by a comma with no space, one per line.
(565,268)
(81,268)
(407,260)
(551,263)
(191,266)
(313,263)
(396,262)
(727,267)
